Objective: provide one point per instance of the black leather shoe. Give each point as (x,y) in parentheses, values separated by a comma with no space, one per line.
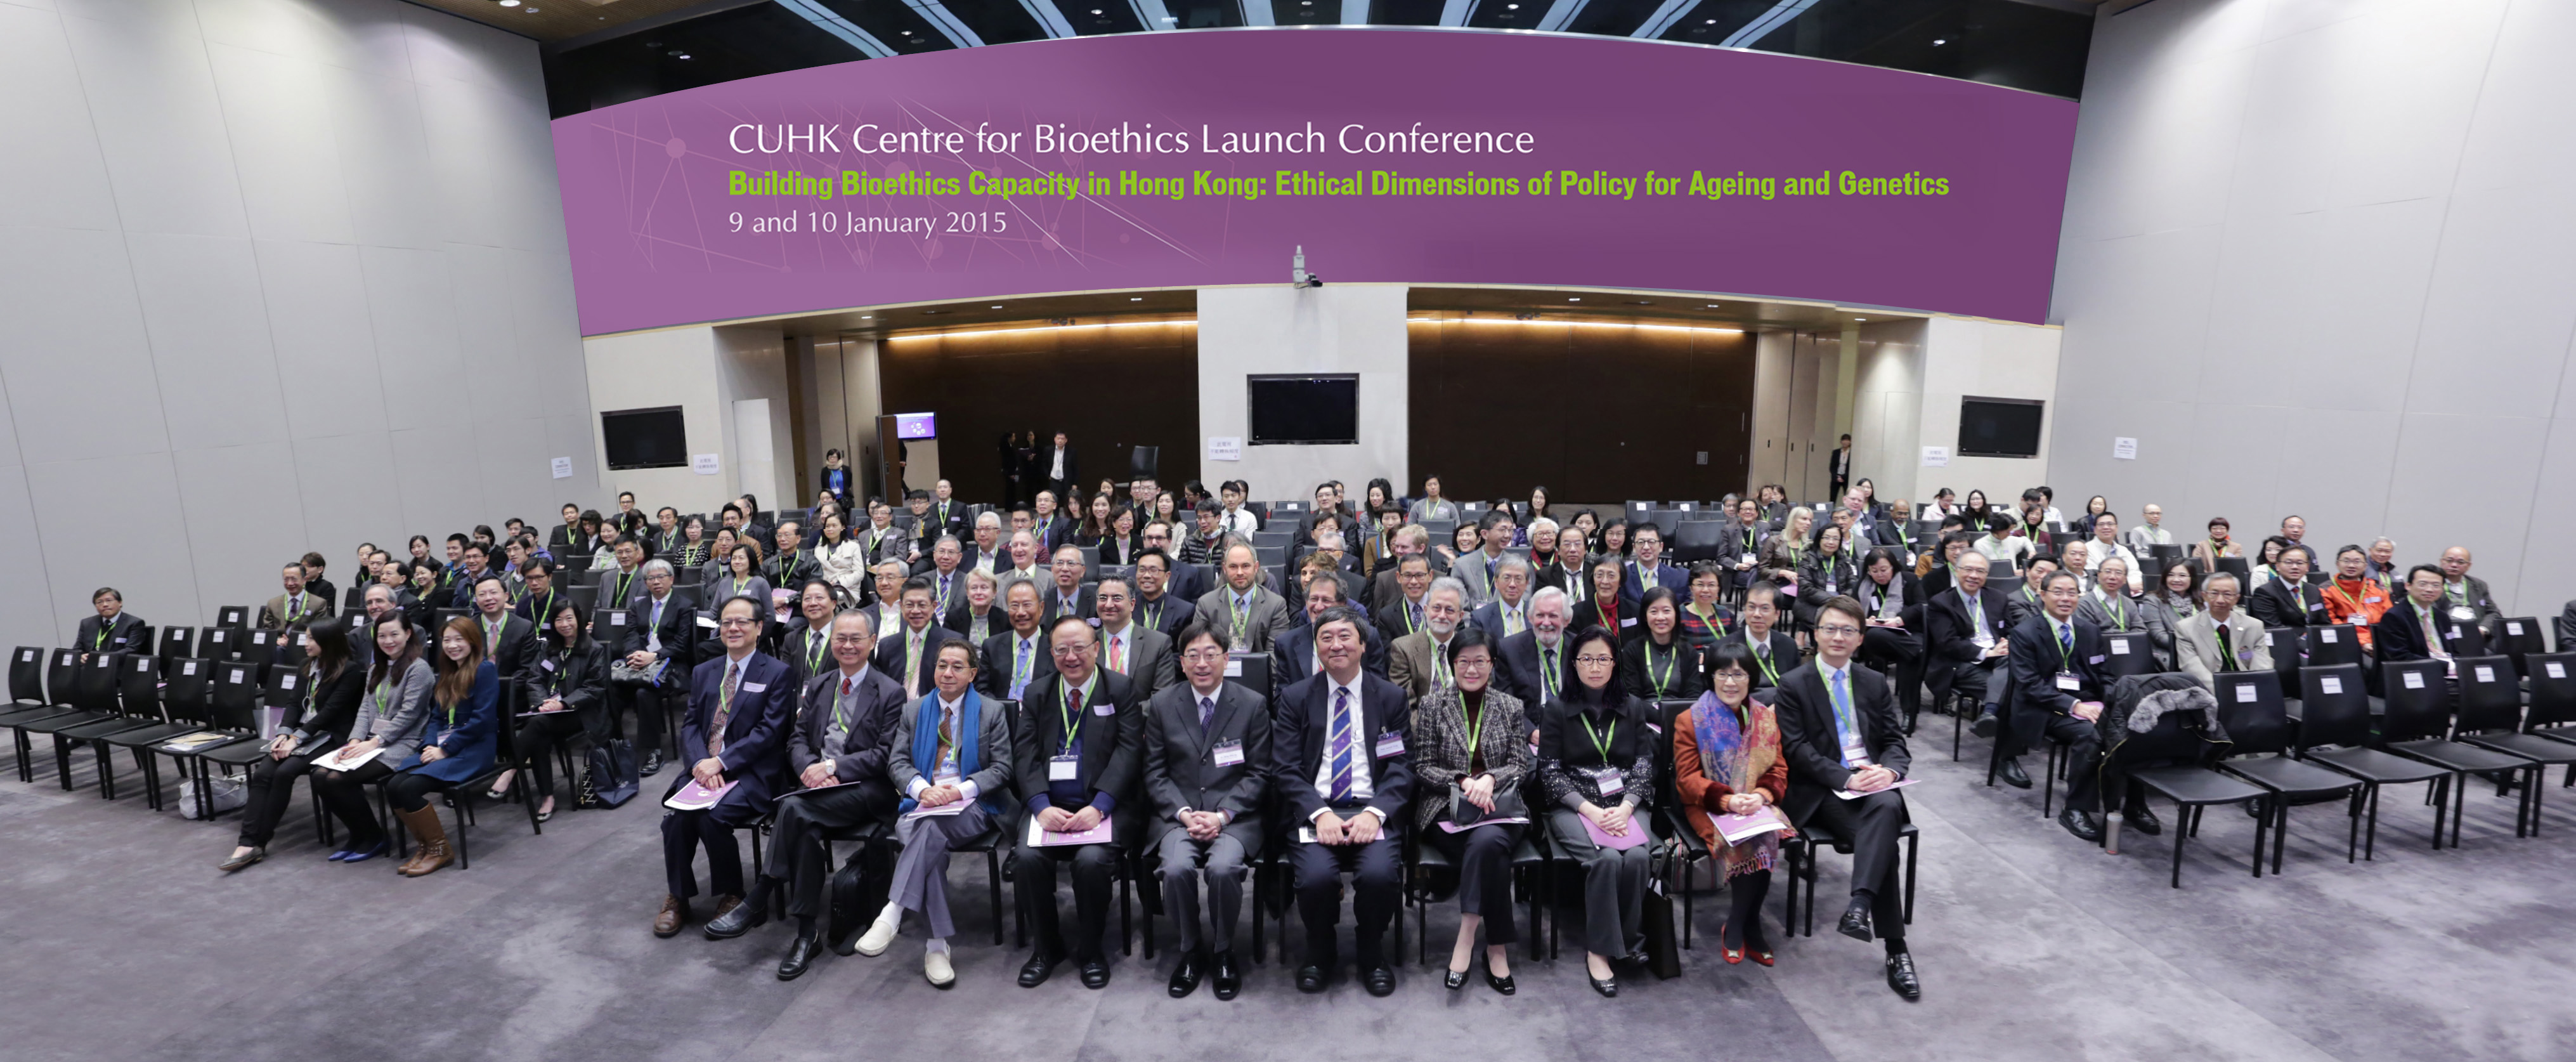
(1310,979)
(1380,980)
(1984,727)
(1855,922)
(2082,824)
(1607,986)
(1095,974)
(1185,977)
(1502,984)
(2143,820)
(651,766)
(1040,967)
(800,957)
(2013,775)
(1900,976)
(845,943)
(1229,981)
(750,914)
(1453,980)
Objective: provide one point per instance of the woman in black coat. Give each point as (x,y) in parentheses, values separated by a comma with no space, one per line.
(331,684)
(566,693)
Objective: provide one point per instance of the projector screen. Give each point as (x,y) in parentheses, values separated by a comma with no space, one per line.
(1305,409)
(1999,427)
(645,438)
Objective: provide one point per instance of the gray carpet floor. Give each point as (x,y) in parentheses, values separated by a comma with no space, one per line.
(124,942)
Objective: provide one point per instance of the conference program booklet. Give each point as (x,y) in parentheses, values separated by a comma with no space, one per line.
(338,762)
(1737,829)
(1040,837)
(696,797)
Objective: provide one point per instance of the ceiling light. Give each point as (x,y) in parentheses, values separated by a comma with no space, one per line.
(867,317)
(1860,318)
(997,306)
(1095,11)
(1713,306)
(509,3)
(1511,7)
(1138,298)
(1712,22)
(683,55)
(1574,300)
(1939,41)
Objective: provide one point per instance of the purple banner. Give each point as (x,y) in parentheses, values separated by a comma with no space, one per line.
(1206,158)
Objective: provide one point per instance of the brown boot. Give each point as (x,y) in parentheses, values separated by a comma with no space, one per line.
(674,914)
(432,835)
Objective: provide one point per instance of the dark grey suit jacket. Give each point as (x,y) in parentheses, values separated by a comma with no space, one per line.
(876,706)
(1180,760)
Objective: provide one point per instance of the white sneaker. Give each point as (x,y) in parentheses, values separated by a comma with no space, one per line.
(880,935)
(935,966)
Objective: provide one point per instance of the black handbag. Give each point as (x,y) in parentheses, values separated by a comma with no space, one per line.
(1507,805)
(612,779)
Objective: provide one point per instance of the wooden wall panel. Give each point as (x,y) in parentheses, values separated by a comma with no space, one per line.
(1108,389)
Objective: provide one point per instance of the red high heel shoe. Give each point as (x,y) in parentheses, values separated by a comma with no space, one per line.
(1734,956)
(1763,957)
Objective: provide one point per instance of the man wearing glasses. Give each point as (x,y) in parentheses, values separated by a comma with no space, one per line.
(2057,688)
(1840,733)
(741,706)
(1207,751)
(1081,731)
(838,751)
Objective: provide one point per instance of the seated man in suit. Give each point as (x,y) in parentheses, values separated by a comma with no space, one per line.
(882,540)
(1774,651)
(2105,546)
(1508,613)
(741,707)
(1400,613)
(1476,570)
(2108,603)
(509,642)
(1067,596)
(2424,626)
(953,747)
(1968,646)
(885,609)
(1078,742)
(560,539)
(1207,760)
(1338,759)
(947,514)
(1251,612)
(947,574)
(1022,563)
(837,754)
(792,564)
(1840,731)
(2219,639)
(1384,587)
(1534,661)
(658,628)
(2024,602)
(1129,648)
(1418,663)
(297,607)
(1049,527)
(1017,657)
(537,594)
(2057,694)
(988,553)
(113,630)
(2289,601)
(907,653)
(2463,590)
(1293,654)
(1943,572)
(1155,607)
(1647,570)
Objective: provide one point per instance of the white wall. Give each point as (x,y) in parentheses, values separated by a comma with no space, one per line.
(704,371)
(1331,329)
(1887,407)
(275,275)
(2321,258)
(1989,359)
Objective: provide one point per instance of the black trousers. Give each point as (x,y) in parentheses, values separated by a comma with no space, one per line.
(1871,823)
(1377,878)
(801,854)
(1484,859)
(344,794)
(647,704)
(684,831)
(538,738)
(410,791)
(271,789)
(1033,885)
(2083,741)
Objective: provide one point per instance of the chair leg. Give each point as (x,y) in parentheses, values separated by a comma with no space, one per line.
(1913,847)
(993,876)
(2352,826)
(2280,830)
(2182,832)
(2370,832)
(1126,920)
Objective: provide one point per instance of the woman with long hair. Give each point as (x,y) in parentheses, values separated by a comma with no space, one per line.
(1613,539)
(1785,552)
(838,558)
(742,576)
(330,685)
(459,738)
(1602,607)
(1658,662)
(1597,765)
(1123,538)
(567,692)
(1727,761)
(391,713)
(1824,572)
(1977,509)
(1093,526)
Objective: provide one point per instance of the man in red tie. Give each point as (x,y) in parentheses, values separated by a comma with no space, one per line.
(838,751)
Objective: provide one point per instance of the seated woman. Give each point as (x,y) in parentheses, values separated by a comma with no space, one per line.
(1597,764)
(1703,619)
(1823,573)
(742,576)
(458,740)
(974,616)
(838,558)
(1727,761)
(1893,597)
(1471,744)
(1785,552)
(567,690)
(1600,607)
(390,716)
(1659,664)
(330,683)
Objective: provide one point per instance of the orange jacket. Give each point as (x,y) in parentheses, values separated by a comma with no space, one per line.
(2358,602)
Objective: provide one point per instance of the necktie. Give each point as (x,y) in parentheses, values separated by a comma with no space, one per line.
(1343,736)
(1843,710)
(1511,621)
(943,588)
(1020,671)
(947,735)
(724,708)
(912,662)
(1207,713)
(2065,639)
(1117,661)
(2226,651)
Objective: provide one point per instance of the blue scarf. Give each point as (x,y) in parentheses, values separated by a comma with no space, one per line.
(925,744)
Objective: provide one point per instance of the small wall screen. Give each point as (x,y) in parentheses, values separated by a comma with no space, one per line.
(1999,427)
(645,438)
(1305,410)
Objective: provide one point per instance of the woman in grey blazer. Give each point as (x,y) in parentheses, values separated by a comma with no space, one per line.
(1472,745)
(392,712)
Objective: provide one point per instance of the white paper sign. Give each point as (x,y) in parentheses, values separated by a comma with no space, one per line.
(2245,693)
(2330,685)
(2124,448)
(2414,680)
(2512,628)
(2485,673)
(1936,457)
(2556,670)
(2119,647)
(2326,635)
(705,464)
(562,467)
(1225,448)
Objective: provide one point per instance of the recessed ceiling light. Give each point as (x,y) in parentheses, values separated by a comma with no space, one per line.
(1138,298)
(1511,7)
(683,55)
(997,306)
(1860,318)
(1095,11)
(1574,300)
(1712,22)
(1939,41)
(1712,306)
(867,317)
(509,3)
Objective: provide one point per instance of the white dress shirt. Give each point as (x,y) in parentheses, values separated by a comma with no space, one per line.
(1363,750)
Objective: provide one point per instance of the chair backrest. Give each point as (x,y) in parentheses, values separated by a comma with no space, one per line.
(1472,508)
(608,627)
(260,645)
(590,576)
(2127,653)
(187,690)
(1250,671)
(2418,699)
(2176,736)
(177,642)
(2337,644)
(688,594)
(2167,553)
(234,695)
(95,688)
(219,642)
(27,675)
(2468,639)
(1442,532)
(236,617)
(1697,540)
(2520,639)
(2334,706)
(355,597)
(2249,706)
(1280,539)
(284,688)
(2286,654)
(138,684)
(2237,567)
(1271,556)
(62,678)
(2490,694)
(2553,689)
(445,617)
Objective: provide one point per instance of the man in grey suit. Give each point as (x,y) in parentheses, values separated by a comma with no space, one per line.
(1251,612)
(838,750)
(1207,743)
(2202,650)
(1419,662)
(1476,570)
(2463,590)
(882,540)
(1141,653)
(950,747)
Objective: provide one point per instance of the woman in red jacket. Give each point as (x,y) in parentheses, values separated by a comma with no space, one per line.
(1727,761)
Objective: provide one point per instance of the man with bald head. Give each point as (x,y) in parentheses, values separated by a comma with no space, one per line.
(2461,590)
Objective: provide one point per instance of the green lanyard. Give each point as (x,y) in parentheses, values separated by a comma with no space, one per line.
(1238,616)
(1671,663)
(295,606)
(1762,657)
(738,586)
(1475,732)
(1064,710)
(1599,744)
(1715,625)
(1150,614)
(1547,669)
(2119,616)
(815,647)
(104,626)
(498,626)
(624,580)
(2065,658)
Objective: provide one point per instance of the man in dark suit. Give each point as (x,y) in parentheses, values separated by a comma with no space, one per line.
(1774,651)
(1157,607)
(1508,613)
(2463,590)
(2057,694)
(1016,658)
(1840,732)
(112,630)
(1207,754)
(1253,612)
(1048,523)
(907,653)
(1968,645)
(837,754)
(507,640)
(1534,661)
(1079,742)
(1647,570)
(2422,627)
(1129,648)
(1944,575)
(1067,596)
(559,540)
(741,707)
(947,514)
(1338,758)
(1293,655)
(1400,613)
(538,594)
(2288,600)
(659,627)
(1055,465)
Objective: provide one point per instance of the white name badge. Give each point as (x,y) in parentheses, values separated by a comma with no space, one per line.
(1229,754)
(754,687)
(2326,635)
(2245,693)
(2331,685)
(1105,708)
(2463,613)
(1610,781)
(546,664)
(2068,682)
(2556,669)
(1748,559)
(2485,673)
(2120,647)
(1063,768)
(1390,745)
(2513,628)
(1628,621)
(2414,680)
(617,620)
(1984,638)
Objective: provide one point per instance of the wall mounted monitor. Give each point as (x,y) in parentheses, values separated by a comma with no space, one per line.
(1999,427)
(645,438)
(1305,410)
(916,425)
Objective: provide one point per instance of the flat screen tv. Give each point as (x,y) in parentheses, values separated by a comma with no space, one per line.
(916,425)
(1999,427)
(1305,410)
(645,438)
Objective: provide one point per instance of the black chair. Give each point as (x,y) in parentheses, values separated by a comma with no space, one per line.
(187,698)
(233,698)
(1275,539)
(236,617)
(140,684)
(2418,726)
(2127,653)
(2331,645)
(98,690)
(28,703)
(219,642)
(2491,718)
(177,642)
(2553,701)
(1799,854)
(64,683)
(461,797)
(2239,567)
(2521,639)
(2192,787)
(2287,655)
(1697,540)
(2335,730)
(2250,707)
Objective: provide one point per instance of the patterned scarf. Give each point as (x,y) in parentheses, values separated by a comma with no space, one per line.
(1735,753)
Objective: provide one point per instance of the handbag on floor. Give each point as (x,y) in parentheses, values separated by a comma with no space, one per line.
(611,780)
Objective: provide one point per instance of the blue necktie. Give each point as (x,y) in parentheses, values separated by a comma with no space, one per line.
(1343,737)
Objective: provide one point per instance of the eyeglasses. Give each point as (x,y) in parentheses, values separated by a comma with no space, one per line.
(850,639)
(1203,654)
(1595,659)
(1840,631)
(736,621)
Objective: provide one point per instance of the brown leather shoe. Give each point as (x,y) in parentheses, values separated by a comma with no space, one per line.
(675,913)
(434,851)
(725,904)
